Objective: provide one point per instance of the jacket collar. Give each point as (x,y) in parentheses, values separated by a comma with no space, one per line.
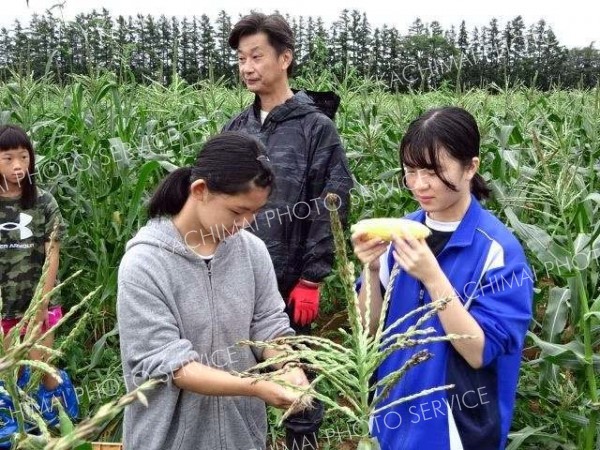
(300,104)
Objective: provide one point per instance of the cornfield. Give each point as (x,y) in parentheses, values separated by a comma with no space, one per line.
(102,147)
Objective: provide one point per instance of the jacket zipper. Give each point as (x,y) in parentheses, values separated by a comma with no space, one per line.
(221,437)
(403,438)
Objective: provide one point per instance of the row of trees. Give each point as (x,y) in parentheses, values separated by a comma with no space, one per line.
(425,57)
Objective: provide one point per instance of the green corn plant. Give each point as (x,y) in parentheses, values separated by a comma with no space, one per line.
(14,356)
(15,349)
(77,437)
(102,143)
(350,367)
(554,207)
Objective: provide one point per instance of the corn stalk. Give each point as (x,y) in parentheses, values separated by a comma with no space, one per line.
(14,356)
(350,367)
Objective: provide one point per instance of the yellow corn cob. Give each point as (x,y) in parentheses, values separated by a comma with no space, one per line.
(384,228)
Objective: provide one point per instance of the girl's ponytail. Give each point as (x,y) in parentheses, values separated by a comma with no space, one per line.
(230,163)
(171,194)
(479,187)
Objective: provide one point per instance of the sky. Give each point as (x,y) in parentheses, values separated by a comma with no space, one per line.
(572,21)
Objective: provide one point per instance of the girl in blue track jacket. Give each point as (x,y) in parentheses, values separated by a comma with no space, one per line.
(470,257)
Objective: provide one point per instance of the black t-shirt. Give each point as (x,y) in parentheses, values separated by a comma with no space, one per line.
(437,240)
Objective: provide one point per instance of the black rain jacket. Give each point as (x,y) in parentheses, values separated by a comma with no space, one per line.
(309,162)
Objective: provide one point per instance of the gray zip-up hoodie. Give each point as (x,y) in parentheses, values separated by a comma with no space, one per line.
(174,308)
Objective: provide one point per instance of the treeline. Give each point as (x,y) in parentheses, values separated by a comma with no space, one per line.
(424,57)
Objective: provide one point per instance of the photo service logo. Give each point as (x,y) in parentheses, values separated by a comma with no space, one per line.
(24,220)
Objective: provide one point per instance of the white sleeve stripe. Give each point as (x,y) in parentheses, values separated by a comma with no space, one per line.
(495,257)
(494,260)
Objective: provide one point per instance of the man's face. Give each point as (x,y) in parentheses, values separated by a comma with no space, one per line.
(261,69)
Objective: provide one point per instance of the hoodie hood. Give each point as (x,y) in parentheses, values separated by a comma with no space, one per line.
(162,233)
(299,105)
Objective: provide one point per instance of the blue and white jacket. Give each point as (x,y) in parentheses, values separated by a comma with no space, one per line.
(487,268)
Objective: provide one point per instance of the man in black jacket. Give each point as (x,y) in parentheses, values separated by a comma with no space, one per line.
(309,162)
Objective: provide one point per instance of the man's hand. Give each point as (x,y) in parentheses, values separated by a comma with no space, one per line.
(304,302)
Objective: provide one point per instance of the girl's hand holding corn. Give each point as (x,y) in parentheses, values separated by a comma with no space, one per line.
(370,237)
(368,249)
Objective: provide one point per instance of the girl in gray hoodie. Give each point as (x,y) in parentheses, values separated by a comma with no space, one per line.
(192,284)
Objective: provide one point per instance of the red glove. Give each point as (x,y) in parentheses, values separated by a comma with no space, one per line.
(304,302)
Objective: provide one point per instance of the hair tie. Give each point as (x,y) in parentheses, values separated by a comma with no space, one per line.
(189,171)
(265,162)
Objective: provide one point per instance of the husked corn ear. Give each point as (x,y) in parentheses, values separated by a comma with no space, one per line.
(384,228)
